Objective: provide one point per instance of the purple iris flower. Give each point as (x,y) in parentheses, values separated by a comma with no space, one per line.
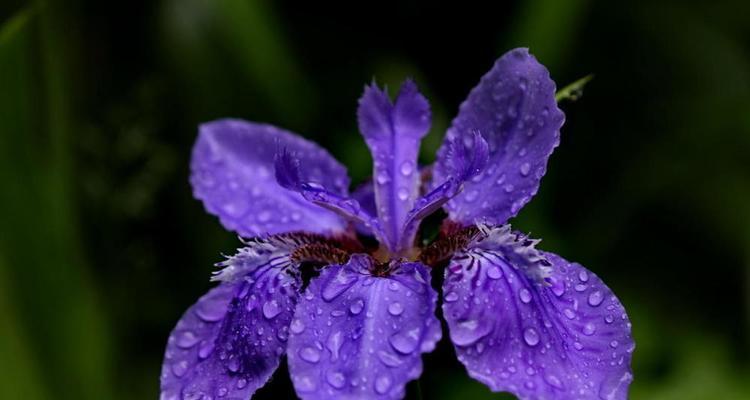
(354,318)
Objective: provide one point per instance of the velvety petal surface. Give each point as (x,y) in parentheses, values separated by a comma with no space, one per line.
(566,337)
(358,336)
(232,172)
(229,343)
(514,109)
(393,132)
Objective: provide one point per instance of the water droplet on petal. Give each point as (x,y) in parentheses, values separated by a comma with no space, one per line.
(382,384)
(336,379)
(525,168)
(554,381)
(241,383)
(271,309)
(406,168)
(509,188)
(405,342)
(180,368)
(297,326)
(494,272)
(471,196)
(402,194)
(589,329)
(187,339)
(451,297)
(570,314)
(531,337)
(356,306)
(334,344)
(525,296)
(304,384)
(211,311)
(395,308)
(595,298)
(389,359)
(614,344)
(205,349)
(583,276)
(310,354)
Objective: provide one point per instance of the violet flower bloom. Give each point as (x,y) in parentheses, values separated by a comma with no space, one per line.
(522,320)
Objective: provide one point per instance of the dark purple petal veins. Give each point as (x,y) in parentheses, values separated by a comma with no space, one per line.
(232,172)
(565,336)
(355,335)
(514,109)
(393,132)
(229,343)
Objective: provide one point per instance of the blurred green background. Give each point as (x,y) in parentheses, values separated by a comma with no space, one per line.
(102,246)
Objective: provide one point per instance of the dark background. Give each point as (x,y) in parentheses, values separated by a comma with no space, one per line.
(102,246)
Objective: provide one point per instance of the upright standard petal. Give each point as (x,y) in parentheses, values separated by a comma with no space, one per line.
(355,335)
(554,333)
(232,172)
(514,109)
(229,343)
(393,132)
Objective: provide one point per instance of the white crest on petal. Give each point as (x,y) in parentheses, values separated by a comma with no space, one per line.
(514,244)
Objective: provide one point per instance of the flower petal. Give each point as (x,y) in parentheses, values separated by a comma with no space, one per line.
(514,109)
(355,335)
(393,132)
(568,338)
(229,343)
(233,174)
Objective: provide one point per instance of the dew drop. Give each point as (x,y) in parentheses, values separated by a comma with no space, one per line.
(395,309)
(297,326)
(356,306)
(336,379)
(570,314)
(205,349)
(405,342)
(334,344)
(471,196)
(595,298)
(613,344)
(187,339)
(304,384)
(271,309)
(310,354)
(525,168)
(382,384)
(211,311)
(241,383)
(609,319)
(180,368)
(583,276)
(389,359)
(406,168)
(554,381)
(524,295)
(589,329)
(509,188)
(531,337)
(494,272)
(451,297)
(402,194)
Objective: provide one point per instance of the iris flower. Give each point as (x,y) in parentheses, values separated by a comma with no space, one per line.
(340,283)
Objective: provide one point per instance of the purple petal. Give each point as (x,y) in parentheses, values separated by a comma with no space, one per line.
(233,174)
(229,343)
(393,132)
(355,335)
(288,176)
(514,109)
(567,337)
(364,194)
(464,162)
